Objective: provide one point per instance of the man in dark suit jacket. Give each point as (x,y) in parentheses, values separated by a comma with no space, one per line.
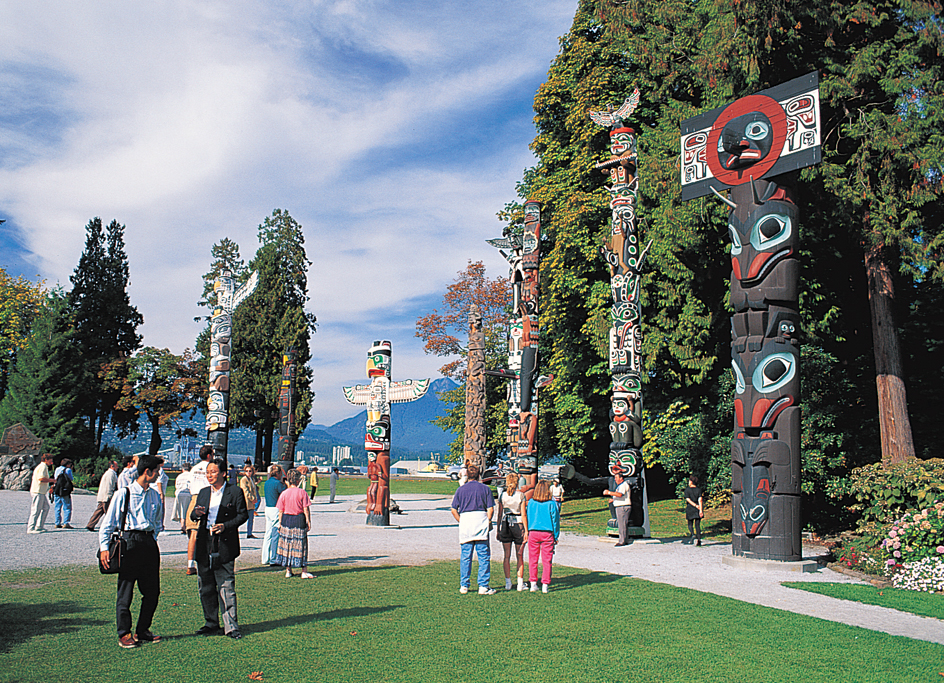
(220,510)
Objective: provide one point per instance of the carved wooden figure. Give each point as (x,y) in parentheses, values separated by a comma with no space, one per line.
(751,147)
(626,259)
(221,331)
(474,443)
(377,396)
(287,400)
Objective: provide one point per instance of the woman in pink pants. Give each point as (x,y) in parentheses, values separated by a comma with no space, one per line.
(543,530)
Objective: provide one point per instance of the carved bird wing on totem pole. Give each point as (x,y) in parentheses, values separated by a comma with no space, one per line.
(358,395)
(407,390)
(248,288)
(614,119)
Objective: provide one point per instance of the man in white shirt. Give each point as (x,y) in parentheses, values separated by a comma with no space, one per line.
(39,505)
(141,561)
(106,489)
(130,471)
(623,505)
(182,495)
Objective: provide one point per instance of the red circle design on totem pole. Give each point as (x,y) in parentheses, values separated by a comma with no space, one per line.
(778,120)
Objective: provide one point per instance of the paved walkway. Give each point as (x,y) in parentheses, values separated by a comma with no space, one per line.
(427,532)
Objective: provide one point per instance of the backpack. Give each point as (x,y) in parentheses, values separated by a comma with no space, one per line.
(63,486)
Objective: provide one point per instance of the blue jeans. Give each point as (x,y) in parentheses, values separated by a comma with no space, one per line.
(465,563)
(63,506)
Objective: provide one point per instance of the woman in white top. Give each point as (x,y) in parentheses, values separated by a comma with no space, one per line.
(513,527)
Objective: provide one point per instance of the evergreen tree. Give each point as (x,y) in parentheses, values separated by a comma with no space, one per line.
(105,321)
(44,385)
(265,324)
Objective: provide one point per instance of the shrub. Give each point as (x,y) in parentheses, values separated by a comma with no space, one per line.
(858,556)
(879,495)
(915,536)
(926,575)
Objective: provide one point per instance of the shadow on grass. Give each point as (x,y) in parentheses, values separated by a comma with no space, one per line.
(583,579)
(263,626)
(23,621)
(582,513)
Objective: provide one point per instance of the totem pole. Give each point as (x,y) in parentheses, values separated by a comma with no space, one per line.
(523,337)
(622,253)
(751,147)
(474,444)
(221,330)
(287,411)
(377,396)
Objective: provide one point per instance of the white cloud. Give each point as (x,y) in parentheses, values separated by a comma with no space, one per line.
(390,130)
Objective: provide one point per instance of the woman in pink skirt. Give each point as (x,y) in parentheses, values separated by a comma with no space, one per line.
(294,523)
(543,530)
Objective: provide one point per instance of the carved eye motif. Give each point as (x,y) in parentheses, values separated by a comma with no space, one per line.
(757,513)
(770,230)
(736,246)
(774,372)
(739,384)
(756,130)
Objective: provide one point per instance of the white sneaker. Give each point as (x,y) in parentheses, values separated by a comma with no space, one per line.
(307,575)
(463,590)
(534,587)
(485,590)
(520,585)
(507,584)
(544,588)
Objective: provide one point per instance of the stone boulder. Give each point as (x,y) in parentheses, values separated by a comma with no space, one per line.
(16,471)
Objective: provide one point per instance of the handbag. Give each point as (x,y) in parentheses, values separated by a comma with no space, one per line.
(116,544)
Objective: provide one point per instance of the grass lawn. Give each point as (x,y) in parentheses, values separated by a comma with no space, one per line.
(916,602)
(404,624)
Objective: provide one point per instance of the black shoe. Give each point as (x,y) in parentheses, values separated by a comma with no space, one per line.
(208,631)
(250,536)
(698,542)
(619,545)
(235,635)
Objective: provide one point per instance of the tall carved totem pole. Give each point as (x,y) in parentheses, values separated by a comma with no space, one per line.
(377,396)
(752,147)
(474,442)
(625,258)
(221,332)
(287,400)
(524,333)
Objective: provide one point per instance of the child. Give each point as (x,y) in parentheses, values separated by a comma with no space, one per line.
(694,509)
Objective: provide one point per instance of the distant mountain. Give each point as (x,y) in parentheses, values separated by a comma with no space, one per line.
(414,437)
(411,423)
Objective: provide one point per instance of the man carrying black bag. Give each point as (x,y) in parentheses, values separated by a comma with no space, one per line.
(141,562)
(220,509)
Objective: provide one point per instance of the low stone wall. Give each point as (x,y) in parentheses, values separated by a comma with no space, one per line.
(16,471)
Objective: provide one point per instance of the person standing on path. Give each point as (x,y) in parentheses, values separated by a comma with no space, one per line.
(39,486)
(107,486)
(62,494)
(248,485)
(182,497)
(270,540)
(543,531)
(141,561)
(130,471)
(623,505)
(473,506)
(694,509)
(313,480)
(219,510)
(333,482)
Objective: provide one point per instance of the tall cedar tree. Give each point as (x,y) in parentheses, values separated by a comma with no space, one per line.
(44,385)
(875,200)
(105,321)
(446,334)
(20,301)
(159,385)
(264,325)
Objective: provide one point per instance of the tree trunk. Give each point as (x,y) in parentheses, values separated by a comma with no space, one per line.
(897,444)
(261,464)
(268,425)
(156,439)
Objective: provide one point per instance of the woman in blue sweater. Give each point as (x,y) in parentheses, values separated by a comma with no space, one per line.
(543,530)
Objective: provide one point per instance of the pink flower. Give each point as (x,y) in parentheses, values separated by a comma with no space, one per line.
(940,549)
(897,553)
(893,533)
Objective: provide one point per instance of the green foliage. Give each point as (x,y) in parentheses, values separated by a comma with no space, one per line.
(916,535)
(881,494)
(20,301)
(44,392)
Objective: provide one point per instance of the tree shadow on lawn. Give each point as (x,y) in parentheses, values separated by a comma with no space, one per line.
(263,626)
(22,621)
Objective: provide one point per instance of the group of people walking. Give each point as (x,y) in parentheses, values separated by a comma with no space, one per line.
(522,519)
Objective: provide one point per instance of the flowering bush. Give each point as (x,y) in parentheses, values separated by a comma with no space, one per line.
(915,536)
(924,575)
(858,557)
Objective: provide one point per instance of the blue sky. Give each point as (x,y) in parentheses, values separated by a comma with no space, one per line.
(392,131)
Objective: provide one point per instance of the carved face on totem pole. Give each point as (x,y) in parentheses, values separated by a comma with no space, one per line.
(377,437)
(379,359)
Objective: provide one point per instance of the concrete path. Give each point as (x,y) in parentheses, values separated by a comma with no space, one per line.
(427,532)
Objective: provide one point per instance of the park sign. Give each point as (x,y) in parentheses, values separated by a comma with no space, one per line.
(765,134)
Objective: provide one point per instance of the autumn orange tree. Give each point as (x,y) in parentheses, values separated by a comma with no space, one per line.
(446,334)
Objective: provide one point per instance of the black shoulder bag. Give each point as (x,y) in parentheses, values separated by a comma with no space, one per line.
(116,543)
